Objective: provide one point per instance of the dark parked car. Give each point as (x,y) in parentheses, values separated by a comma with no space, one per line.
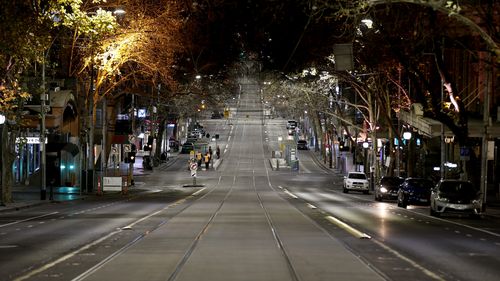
(415,191)
(174,145)
(387,188)
(187,147)
(456,196)
(216,115)
(302,145)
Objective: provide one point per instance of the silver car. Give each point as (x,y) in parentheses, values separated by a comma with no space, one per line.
(456,196)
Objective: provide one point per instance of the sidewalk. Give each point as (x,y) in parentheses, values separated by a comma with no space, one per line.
(29,196)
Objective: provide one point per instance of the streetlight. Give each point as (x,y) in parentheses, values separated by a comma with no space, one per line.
(407,136)
(365,147)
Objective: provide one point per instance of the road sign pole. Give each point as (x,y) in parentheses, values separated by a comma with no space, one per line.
(193,166)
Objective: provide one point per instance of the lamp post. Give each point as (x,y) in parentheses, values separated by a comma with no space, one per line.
(43,98)
(3,134)
(407,136)
(366,145)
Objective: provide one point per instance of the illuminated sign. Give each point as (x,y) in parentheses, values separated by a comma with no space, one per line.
(30,140)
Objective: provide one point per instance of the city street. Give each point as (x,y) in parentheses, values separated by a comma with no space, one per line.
(245,221)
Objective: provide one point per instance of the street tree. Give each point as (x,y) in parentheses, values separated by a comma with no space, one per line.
(27,32)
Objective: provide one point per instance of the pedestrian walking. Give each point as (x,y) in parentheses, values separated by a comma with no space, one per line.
(199,157)
(217,152)
(207,161)
(210,152)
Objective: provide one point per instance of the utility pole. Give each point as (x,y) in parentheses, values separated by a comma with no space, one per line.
(485,138)
(90,163)
(443,144)
(104,162)
(43,98)
(3,136)
(131,165)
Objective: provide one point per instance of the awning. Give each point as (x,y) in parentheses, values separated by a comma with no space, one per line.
(68,147)
(120,139)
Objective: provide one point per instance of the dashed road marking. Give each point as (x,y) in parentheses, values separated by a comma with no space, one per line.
(28,219)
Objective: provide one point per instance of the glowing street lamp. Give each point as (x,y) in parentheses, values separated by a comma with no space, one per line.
(407,135)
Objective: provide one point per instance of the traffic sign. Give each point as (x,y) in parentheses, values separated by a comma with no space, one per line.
(127,148)
(131,138)
(193,166)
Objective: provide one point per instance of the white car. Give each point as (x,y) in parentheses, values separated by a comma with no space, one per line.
(356,181)
(455,196)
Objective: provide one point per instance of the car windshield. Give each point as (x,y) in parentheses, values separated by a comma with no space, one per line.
(357,176)
(457,187)
(302,141)
(391,181)
(420,184)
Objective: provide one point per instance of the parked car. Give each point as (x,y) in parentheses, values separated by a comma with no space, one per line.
(216,115)
(415,191)
(356,181)
(173,145)
(291,124)
(302,145)
(456,196)
(187,147)
(387,188)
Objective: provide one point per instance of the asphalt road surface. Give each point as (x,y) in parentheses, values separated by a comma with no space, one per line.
(244,222)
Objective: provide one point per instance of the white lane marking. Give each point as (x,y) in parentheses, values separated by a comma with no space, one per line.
(88,246)
(356,233)
(440,219)
(8,246)
(410,261)
(28,219)
(311,206)
(63,258)
(198,192)
(291,194)
(229,139)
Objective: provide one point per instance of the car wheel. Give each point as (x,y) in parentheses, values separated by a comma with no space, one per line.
(403,203)
(400,202)
(377,198)
(475,216)
(366,192)
(434,213)
(345,190)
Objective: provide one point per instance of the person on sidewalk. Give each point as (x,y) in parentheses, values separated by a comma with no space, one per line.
(207,161)
(217,152)
(199,157)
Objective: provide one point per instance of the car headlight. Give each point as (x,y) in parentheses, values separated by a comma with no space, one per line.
(383,190)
